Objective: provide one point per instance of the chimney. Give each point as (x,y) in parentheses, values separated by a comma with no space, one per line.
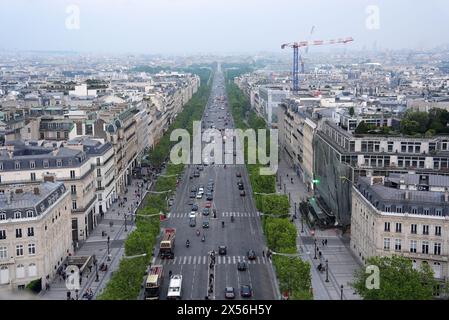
(55,151)
(36,190)
(49,177)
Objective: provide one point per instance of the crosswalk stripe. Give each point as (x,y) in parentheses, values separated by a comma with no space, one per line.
(174,260)
(258,259)
(233,259)
(194,260)
(229,260)
(190,258)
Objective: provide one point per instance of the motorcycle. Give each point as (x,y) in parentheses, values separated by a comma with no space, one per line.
(203,239)
(198,233)
(222,224)
(187,243)
(232,218)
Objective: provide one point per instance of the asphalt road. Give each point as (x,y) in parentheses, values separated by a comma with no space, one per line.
(243,234)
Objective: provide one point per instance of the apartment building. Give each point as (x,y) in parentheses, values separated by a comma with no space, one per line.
(403,214)
(35,234)
(29,163)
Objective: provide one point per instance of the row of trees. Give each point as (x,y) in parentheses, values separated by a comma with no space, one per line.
(292,272)
(127,280)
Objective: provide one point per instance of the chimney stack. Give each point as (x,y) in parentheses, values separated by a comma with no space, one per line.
(36,190)
(49,177)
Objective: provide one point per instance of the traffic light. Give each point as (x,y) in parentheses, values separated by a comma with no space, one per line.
(316,181)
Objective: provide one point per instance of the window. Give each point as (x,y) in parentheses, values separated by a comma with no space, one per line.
(17,165)
(31,248)
(30,213)
(413,246)
(3,253)
(59,163)
(2,234)
(438,212)
(426,212)
(414,210)
(398,209)
(387,227)
(17,215)
(66,135)
(73,189)
(438,230)
(386,243)
(399,227)
(425,229)
(1,166)
(414,229)
(18,233)
(99,184)
(98,161)
(397,245)
(72,174)
(425,247)
(19,250)
(30,232)
(33,176)
(20,271)
(32,270)
(32,164)
(45,164)
(437,249)
(98,172)
(2,216)
(387,209)
(73,204)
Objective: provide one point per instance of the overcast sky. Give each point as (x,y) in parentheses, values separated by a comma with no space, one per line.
(190,26)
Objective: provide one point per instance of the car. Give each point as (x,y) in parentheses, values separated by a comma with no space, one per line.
(210,189)
(201,190)
(208,205)
(193,189)
(190,202)
(194,207)
(192,222)
(238,174)
(209,197)
(205,224)
(222,250)
(229,293)
(206,211)
(192,194)
(251,254)
(241,186)
(196,174)
(242,193)
(246,291)
(242,266)
(192,214)
(201,168)
(199,196)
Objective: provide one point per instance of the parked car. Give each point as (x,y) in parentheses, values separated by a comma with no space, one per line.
(192,214)
(205,224)
(208,205)
(209,197)
(199,196)
(241,186)
(229,293)
(192,194)
(246,291)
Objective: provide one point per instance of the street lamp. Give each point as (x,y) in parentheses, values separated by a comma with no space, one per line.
(327,271)
(109,255)
(285,189)
(96,269)
(341,292)
(315,251)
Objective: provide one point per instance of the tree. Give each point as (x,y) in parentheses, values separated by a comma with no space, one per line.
(409,127)
(294,277)
(398,280)
(351,111)
(275,204)
(362,128)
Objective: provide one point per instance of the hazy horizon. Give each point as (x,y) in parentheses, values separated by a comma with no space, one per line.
(217,26)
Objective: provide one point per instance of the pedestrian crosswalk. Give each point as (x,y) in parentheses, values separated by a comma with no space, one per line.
(179,215)
(219,260)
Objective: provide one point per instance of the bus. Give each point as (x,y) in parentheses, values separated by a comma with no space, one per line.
(153,282)
(167,245)
(175,287)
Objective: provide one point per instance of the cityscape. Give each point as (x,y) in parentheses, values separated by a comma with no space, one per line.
(310,166)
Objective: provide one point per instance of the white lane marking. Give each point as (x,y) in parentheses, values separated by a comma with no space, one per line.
(190,258)
(194,260)
(258,259)
(174,260)
(233,259)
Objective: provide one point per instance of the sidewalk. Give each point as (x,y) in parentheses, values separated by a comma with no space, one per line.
(342,263)
(113,223)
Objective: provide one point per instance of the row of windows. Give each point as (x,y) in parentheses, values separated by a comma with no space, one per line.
(19,251)
(18,215)
(425,229)
(414,210)
(20,272)
(413,246)
(30,233)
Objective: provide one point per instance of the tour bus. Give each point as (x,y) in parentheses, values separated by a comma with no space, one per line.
(175,287)
(153,283)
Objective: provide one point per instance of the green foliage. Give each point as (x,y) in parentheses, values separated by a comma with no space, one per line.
(281,235)
(294,277)
(398,280)
(35,286)
(351,111)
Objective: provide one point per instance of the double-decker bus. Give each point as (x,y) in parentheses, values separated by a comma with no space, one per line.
(153,282)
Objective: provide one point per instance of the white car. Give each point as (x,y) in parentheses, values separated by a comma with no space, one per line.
(199,196)
(201,190)
(192,214)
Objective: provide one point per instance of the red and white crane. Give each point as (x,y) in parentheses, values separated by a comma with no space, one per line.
(302,44)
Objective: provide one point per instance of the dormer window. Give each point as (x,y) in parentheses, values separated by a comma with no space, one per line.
(32,164)
(45,164)
(17,165)
(59,163)
(29,213)
(2,216)
(17,215)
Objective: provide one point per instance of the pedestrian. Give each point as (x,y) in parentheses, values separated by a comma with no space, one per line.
(325,242)
(263,253)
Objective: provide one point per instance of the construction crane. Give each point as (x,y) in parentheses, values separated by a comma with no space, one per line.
(297,58)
